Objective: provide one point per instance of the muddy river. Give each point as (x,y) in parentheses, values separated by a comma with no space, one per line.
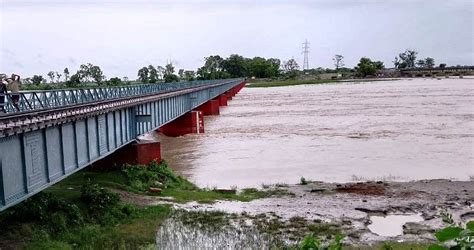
(393,130)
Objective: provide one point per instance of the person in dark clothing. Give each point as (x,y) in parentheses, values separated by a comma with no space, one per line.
(14,85)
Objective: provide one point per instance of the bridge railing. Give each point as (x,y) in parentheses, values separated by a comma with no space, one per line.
(48,99)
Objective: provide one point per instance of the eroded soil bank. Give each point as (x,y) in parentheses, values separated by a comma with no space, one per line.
(347,208)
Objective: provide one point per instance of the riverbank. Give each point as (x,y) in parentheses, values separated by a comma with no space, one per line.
(90,209)
(294,82)
(125,208)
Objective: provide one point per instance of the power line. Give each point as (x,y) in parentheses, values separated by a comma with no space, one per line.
(306,53)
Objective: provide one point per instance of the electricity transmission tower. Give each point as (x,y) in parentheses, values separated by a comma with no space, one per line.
(305,52)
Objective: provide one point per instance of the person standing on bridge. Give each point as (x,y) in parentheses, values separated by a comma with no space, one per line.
(14,83)
(3,92)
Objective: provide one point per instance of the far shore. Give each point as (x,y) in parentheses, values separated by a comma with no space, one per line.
(293,82)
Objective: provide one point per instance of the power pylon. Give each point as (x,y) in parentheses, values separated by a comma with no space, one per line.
(306,53)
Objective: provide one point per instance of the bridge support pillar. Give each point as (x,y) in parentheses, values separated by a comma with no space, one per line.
(222,100)
(229,95)
(189,123)
(133,153)
(210,107)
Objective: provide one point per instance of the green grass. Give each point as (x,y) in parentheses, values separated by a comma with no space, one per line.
(139,181)
(61,218)
(131,233)
(391,246)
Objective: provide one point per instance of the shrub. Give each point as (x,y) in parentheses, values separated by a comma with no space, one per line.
(53,214)
(303,181)
(142,177)
(311,242)
(461,236)
(98,199)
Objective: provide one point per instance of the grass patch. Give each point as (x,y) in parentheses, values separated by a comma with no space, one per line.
(391,246)
(94,220)
(140,178)
(81,211)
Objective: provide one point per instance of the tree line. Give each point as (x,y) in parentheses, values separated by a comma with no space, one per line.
(234,66)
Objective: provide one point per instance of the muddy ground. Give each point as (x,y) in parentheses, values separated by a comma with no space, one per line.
(351,205)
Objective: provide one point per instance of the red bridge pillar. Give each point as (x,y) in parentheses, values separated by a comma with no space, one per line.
(133,153)
(189,123)
(229,95)
(222,100)
(210,107)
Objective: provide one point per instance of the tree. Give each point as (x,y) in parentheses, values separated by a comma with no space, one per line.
(291,67)
(421,63)
(408,59)
(88,72)
(236,66)
(51,75)
(74,80)
(379,65)
(84,72)
(258,67)
(338,61)
(143,75)
(212,68)
(181,73)
(152,74)
(367,67)
(161,72)
(273,67)
(66,74)
(114,81)
(396,62)
(169,75)
(37,79)
(429,62)
(96,73)
(189,75)
(58,77)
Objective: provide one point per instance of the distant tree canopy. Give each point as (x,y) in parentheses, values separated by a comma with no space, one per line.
(367,67)
(406,59)
(290,68)
(169,75)
(338,61)
(429,62)
(216,67)
(37,79)
(89,72)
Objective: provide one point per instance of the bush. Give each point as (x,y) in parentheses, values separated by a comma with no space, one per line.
(461,237)
(303,181)
(98,199)
(142,177)
(114,81)
(53,214)
(311,242)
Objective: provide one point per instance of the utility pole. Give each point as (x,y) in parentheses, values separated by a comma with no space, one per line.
(305,52)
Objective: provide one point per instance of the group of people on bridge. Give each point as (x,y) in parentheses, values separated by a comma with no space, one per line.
(13,84)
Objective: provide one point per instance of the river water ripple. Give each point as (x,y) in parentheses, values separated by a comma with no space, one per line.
(394,130)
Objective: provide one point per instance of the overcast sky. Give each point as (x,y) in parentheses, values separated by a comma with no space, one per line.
(122,36)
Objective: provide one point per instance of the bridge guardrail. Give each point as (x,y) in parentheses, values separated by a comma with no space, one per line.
(48,99)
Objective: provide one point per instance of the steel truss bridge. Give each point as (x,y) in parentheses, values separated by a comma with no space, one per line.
(58,132)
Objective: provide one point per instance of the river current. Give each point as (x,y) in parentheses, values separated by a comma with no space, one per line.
(390,130)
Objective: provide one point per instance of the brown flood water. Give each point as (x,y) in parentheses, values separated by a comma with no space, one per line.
(394,130)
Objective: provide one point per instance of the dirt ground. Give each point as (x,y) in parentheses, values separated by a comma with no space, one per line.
(352,204)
